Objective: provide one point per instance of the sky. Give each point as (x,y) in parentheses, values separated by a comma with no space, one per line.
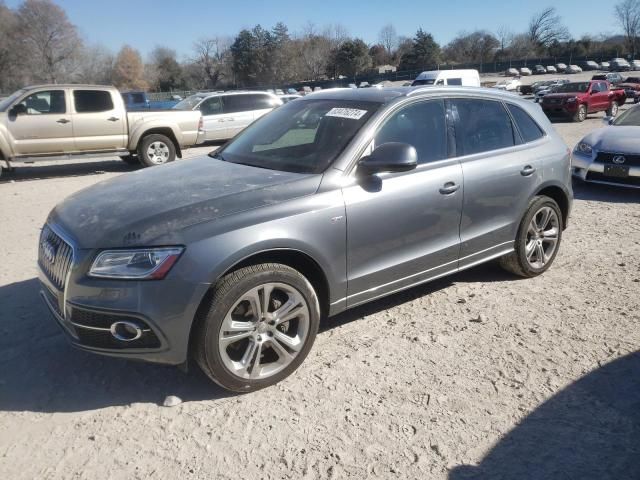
(145,24)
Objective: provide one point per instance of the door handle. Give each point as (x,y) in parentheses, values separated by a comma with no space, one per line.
(113,119)
(527,171)
(449,188)
(63,121)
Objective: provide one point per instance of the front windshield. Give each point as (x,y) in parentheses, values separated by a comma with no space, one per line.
(4,104)
(188,103)
(630,118)
(573,87)
(302,136)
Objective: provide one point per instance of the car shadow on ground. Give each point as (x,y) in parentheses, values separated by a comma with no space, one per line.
(30,172)
(604,193)
(589,430)
(41,372)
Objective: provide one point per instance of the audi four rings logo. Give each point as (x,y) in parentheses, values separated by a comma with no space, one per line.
(49,252)
(619,159)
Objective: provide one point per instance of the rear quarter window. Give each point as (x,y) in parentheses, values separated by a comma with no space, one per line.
(529,129)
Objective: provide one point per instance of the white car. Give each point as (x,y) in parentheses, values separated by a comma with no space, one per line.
(573,69)
(551,69)
(524,71)
(512,72)
(561,67)
(510,85)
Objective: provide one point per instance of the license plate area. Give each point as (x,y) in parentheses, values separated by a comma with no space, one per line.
(617,171)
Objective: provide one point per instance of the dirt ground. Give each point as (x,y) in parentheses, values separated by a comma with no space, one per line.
(480,375)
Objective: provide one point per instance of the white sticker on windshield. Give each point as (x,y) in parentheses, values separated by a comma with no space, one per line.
(352,113)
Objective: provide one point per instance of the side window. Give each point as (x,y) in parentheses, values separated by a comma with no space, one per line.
(51,101)
(92,101)
(422,125)
(482,126)
(211,106)
(440,82)
(261,102)
(233,103)
(529,129)
(454,81)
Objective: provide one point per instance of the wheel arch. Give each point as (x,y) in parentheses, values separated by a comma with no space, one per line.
(561,197)
(166,131)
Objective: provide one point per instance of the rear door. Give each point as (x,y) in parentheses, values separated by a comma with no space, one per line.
(99,120)
(45,126)
(214,122)
(264,104)
(499,176)
(238,112)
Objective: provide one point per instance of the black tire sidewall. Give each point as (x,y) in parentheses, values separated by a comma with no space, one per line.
(219,309)
(521,241)
(148,140)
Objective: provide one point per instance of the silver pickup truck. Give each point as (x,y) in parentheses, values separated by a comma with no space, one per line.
(77,121)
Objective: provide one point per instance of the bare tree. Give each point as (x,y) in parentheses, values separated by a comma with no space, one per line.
(10,58)
(388,38)
(209,55)
(95,65)
(546,28)
(627,13)
(504,36)
(50,38)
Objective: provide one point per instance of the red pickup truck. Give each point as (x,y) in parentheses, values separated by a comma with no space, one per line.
(631,87)
(577,99)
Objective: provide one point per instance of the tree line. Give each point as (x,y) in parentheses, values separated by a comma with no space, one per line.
(38,44)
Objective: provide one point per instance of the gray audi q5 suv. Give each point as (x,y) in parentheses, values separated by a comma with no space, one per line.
(328,202)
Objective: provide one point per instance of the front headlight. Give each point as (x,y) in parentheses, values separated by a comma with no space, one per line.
(584,148)
(135,264)
(571,100)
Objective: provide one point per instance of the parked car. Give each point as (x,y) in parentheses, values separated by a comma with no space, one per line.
(225,114)
(573,69)
(611,155)
(612,77)
(352,85)
(631,87)
(525,72)
(539,70)
(364,85)
(512,72)
(589,65)
(288,98)
(604,65)
(71,121)
(467,78)
(542,90)
(138,100)
(635,64)
(305,90)
(255,246)
(561,67)
(317,89)
(577,99)
(510,85)
(279,91)
(619,65)
(530,89)
(292,91)
(551,69)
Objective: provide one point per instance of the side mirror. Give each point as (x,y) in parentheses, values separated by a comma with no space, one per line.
(389,157)
(19,109)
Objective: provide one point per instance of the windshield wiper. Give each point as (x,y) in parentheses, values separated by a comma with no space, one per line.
(217,155)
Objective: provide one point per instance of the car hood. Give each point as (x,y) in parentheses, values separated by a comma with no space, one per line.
(614,139)
(152,206)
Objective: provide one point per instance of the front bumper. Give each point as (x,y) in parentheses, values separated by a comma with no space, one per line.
(85,308)
(560,109)
(587,169)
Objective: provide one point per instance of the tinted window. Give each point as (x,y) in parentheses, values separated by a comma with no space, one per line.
(483,125)
(422,125)
(91,101)
(529,129)
(454,81)
(246,103)
(137,98)
(51,101)
(211,106)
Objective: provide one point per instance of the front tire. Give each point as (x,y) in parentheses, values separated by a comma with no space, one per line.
(612,111)
(538,239)
(156,149)
(257,327)
(581,114)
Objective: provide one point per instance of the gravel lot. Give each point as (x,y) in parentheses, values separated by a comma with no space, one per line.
(479,375)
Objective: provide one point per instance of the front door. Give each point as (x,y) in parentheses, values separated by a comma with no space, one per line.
(43,126)
(403,228)
(97,123)
(214,123)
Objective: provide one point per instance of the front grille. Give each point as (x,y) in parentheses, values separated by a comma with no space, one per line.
(55,256)
(629,160)
(597,176)
(85,323)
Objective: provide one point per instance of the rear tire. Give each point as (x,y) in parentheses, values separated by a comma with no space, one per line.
(156,149)
(539,230)
(581,114)
(243,346)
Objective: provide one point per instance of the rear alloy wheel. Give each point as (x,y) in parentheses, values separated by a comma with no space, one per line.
(581,114)
(612,111)
(538,239)
(156,149)
(261,324)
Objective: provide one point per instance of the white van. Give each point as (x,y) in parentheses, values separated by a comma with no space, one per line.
(466,78)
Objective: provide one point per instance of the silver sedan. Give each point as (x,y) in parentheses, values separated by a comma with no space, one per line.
(611,155)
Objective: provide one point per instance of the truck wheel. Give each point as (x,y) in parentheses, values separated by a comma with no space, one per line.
(612,111)
(581,114)
(131,159)
(156,149)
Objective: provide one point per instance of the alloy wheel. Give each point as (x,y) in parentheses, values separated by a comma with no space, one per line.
(542,237)
(158,152)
